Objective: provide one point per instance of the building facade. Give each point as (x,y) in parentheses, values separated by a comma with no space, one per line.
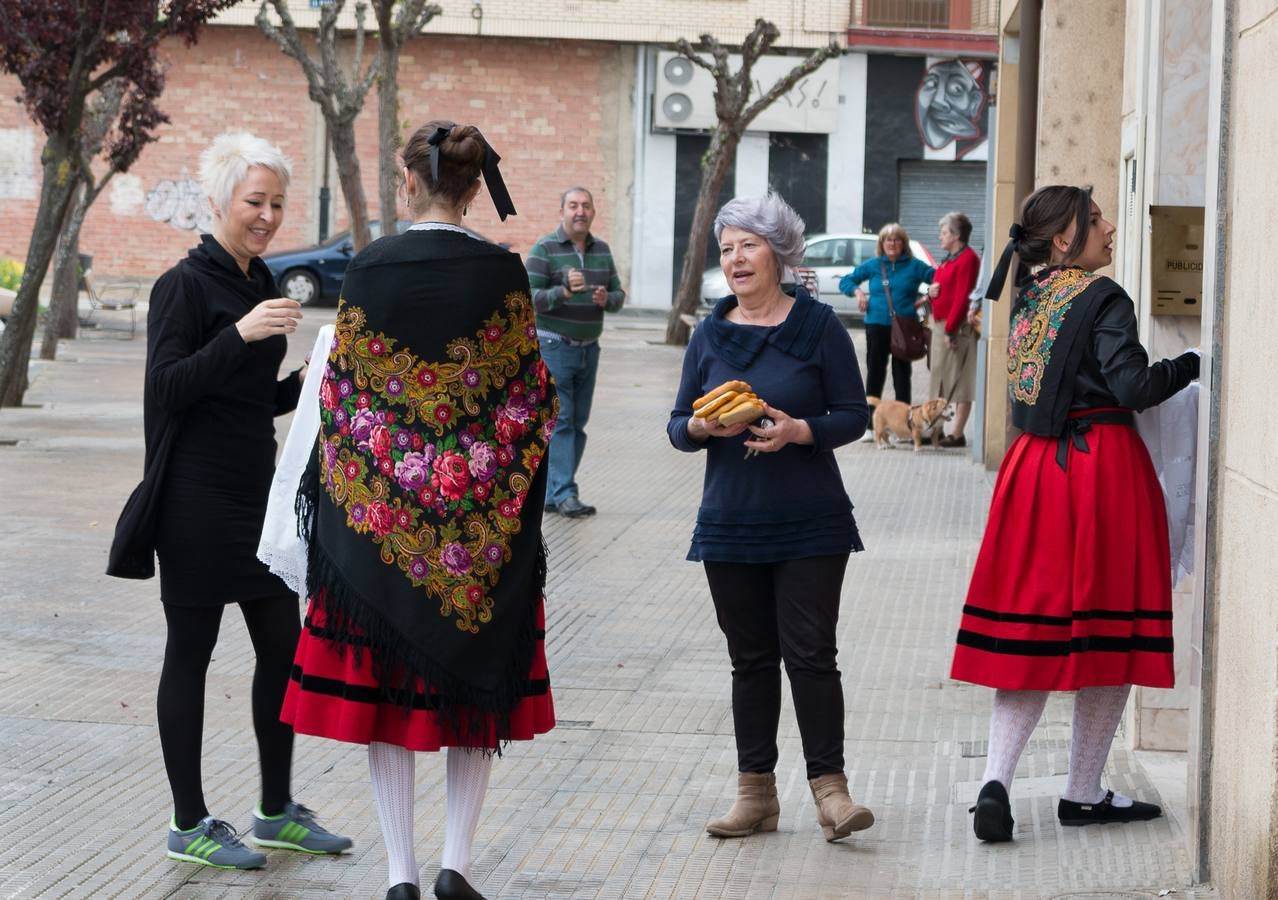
(1160,105)
(881,155)
(558,113)
(894,129)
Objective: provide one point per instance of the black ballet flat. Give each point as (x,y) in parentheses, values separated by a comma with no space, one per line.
(404,891)
(451,885)
(1071,813)
(993,820)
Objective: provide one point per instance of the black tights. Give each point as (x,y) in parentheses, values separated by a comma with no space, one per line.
(273,626)
(878,353)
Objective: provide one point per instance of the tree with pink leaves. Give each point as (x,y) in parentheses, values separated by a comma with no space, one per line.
(65,54)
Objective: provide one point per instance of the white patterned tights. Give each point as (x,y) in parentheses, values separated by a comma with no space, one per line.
(1097,712)
(393,773)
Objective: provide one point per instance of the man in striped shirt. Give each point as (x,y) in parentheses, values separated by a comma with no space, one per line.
(574,282)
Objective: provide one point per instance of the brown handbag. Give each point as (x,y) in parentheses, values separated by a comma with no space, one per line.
(911,339)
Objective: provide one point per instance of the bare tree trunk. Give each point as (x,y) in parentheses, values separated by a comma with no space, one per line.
(723,148)
(731,96)
(63,317)
(397,21)
(343,134)
(61,175)
(388,132)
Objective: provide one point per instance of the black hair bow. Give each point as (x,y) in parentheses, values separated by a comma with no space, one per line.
(492,175)
(998,277)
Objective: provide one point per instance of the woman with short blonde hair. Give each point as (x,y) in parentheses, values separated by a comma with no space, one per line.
(216,335)
(893,230)
(894,274)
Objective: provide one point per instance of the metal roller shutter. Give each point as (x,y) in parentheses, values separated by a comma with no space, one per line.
(931,188)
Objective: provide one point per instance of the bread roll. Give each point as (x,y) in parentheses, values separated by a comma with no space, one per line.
(737,386)
(745,409)
(705,410)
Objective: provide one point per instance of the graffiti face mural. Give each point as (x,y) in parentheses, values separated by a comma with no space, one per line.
(949,103)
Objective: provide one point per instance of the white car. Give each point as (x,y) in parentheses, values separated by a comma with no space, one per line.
(830,256)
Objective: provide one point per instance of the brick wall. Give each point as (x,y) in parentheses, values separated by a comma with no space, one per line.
(803,23)
(539,102)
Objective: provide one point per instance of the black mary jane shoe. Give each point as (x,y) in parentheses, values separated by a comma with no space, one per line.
(405,890)
(1071,813)
(451,885)
(992,821)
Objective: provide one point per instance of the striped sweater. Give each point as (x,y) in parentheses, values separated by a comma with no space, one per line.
(574,316)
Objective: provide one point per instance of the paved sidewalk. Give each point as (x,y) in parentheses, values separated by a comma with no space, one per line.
(612,803)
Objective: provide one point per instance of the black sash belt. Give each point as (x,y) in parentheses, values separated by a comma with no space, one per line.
(1076,428)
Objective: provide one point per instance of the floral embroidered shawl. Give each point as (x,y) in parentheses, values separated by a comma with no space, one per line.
(1051,322)
(425,498)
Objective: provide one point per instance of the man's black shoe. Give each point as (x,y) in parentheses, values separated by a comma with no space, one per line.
(1071,813)
(404,891)
(550,508)
(573,508)
(993,820)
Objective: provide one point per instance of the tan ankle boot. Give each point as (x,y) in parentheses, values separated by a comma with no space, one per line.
(837,814)
(756,807)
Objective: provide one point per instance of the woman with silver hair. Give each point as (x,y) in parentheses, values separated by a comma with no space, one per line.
(775,527)
(216,335)
(953,362)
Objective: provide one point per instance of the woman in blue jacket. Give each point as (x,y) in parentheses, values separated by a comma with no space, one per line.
(894,267)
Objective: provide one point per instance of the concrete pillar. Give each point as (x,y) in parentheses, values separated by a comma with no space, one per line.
(1243,809)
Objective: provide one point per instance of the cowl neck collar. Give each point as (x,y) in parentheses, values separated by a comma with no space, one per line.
(797,336)
(212,259)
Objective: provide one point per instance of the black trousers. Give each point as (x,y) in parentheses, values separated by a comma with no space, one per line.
(273,626)
(783,611)
(878,351)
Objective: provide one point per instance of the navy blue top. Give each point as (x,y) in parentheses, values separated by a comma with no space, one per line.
(904,274)
(789,504)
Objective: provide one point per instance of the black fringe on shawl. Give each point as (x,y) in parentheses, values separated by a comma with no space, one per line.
(353,625)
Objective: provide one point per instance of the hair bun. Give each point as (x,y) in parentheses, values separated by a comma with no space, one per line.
(464,148)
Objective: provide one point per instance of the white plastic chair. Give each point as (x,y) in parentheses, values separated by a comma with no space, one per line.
(119,296)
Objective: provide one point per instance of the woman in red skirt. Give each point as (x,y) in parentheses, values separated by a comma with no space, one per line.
(1072,587)
(422,508)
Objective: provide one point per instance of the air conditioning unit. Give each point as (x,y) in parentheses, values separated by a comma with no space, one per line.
(683,99)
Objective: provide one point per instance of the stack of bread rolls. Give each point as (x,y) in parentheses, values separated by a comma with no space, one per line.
(730,403)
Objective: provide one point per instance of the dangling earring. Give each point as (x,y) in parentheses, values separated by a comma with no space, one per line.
(465,209)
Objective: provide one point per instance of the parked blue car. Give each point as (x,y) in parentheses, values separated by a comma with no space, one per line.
(314,275)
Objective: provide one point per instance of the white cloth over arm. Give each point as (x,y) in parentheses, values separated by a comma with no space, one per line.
(1170,431)
(280,547)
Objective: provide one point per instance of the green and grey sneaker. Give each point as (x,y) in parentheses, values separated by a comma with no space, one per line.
(295,829)
(212,843)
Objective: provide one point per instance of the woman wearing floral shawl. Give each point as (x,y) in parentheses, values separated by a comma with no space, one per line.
(423,509)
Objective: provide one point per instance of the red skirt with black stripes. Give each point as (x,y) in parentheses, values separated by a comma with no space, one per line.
(333,694)
(1072,586)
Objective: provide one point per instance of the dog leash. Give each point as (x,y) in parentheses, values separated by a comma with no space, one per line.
(950,395)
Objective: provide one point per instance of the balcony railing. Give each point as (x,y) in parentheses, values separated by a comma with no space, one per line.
(972,16)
